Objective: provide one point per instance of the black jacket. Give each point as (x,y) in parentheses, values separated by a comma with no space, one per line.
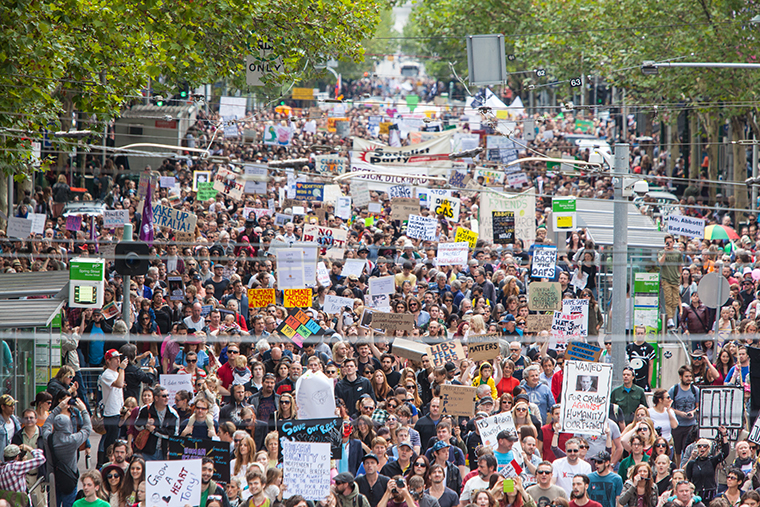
(169,427)
(133,377)
(350,392)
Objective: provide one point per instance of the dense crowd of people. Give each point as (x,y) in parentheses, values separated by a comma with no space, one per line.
(398,447)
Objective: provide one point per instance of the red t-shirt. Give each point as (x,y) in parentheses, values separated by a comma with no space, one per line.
(224,373)
(547,433)
(506,385)
(590,503)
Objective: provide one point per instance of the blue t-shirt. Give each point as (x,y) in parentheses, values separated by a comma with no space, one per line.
(605,488)
(745,374)
(503,459)
(97,347)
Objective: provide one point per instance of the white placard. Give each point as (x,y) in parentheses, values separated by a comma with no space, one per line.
(323,276)
(490,427)
(679,225)
(255,179)
(343,209)
(400,191)
(353,267)
(382,285)
(176,382)
(544,262)
(448,206)
(167,181)
(517,179)
(585,403)
(381,302)
(577,306)
(360,193)
(721,406)
(114,218)
(336,304)
(375,207)
(19,227)
(306,469)
(173,483)
(452,254)
(754,434)
(421,227)
(38,222)
(290,268)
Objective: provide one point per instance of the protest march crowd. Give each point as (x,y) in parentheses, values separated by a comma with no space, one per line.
(376,342)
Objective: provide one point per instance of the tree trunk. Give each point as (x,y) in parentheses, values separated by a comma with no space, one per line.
(740,168)
(694,155)
(3,198)
(713,138)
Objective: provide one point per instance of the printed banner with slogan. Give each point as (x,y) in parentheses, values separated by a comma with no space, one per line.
(484,347)
(403,207)
(336,304)
(580,351)
(380,178)
(331,164)
(503,227)
(261,298)
(441,353)
(173,483)
(382,285)
(452,254)
(436,150)
(174,219)
(332,242)
(586,389)
(544,262)
(524,207)
(545,296)
(391,321)
(721,406)
(679,225)
(195,448)
(278,135)
(310,191)
(227,183)
(298,326)
(467,235)
(421,227)
(176,382)
(297,298)
(401,191)
(458,400)
(306,469)
(446,206)
(314,431)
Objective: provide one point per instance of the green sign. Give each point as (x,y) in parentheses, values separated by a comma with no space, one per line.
(563,205)
(646,283)
(412,101)
(585,125)
(92,271)
(206,191)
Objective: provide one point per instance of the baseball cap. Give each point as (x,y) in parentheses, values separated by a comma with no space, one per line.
(7,400)
(450,366)
(353,277)
(11,451)
(407,444)
(485,400)
(441,444)
(344,478)
(508,318)
(371,455)
(111,354)
(602,457)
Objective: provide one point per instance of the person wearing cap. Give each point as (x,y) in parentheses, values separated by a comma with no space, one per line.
(503,452)
(401,466)
(218,281)
(112,384)
(14,469)
(10,423)
(444,434)
(604,484)
(406,275)
(347,491)
(439,455)
(372,484)
(485,404)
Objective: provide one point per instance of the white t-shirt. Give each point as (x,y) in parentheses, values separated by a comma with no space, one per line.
(661,421)
(113,397)
(564,473)
(473,485)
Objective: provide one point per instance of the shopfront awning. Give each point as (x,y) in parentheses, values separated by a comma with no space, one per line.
(24,313)
(36,283)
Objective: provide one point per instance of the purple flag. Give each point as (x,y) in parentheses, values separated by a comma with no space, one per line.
(146,227)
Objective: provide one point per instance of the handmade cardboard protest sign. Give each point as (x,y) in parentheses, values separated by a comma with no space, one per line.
(261,298)
(489,429)
(382,285)
(409,349)
(503,227)
(306,469)
(538,323)
(544,262)
(227,183)
(721,406)
(298,326)
(336,304)
(177,382)
(446,206)
(754,434)
(386,321)
(332,242)
(545,296)
(113,218)
(403,207)
(174,219)
(441,353)
(297,298)
(452,254)
(195,448)
(331,164)
(458,400)
(484,347)
(585,397)
(173,483)
(580,351)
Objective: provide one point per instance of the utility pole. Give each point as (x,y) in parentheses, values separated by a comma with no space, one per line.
(126,282)
(753,205)
(619,263)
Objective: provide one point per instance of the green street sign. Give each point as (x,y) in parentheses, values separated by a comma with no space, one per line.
(563,205)
(646,283)
(93,271)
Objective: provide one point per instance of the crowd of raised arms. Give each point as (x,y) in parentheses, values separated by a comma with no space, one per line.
(398,447)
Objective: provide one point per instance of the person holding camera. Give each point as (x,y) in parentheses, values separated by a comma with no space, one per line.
(13,471)
(112,386)
(397,494)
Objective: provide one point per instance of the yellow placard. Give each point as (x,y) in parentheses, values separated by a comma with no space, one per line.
(332,121)
(466,235)
(303,94)
(260,298)
(384,127)
(297,298)
(565,222)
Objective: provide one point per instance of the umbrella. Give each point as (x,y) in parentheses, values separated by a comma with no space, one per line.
(720,232)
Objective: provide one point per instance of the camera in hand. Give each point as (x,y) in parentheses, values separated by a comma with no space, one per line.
(73,401)
(400,483)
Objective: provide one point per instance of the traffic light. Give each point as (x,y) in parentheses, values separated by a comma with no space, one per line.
(158,100)
(184,91)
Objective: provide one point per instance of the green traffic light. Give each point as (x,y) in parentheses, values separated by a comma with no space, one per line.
(183,94)
(160,103)
(282,102)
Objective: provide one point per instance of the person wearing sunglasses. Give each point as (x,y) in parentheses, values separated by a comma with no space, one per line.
(196,374)
(571,465)
(543,492)
(159,420)
(112,478)
(701,466)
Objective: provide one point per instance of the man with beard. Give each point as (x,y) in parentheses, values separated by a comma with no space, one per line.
(605,485)
(571,465)
(579,496)
(543,492)
(372,484)
(446,497)
(397,494)
(208,486)
(486,468)
(417,489)
(347,491)
(231,411)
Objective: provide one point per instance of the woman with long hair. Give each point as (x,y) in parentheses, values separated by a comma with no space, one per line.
(287,408)
(364,431)
(661,446)
(640,489)
(515,498)
(380,385)
(421,468)
(661,414)
(724,363)
(245,451)
(113,476)
(410,385)
(643,428)
(662,472)
(132,479)
(41,404)
(281,371)
(595,317)
(421,317)
(521,417)
(687,287)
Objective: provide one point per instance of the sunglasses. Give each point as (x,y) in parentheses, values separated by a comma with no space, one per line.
(233,352)
(192,361)
(284,402)
(112,476)
(421,464)
(572,451)
(163,395)
(660,445)
(368,407)
(543,472)
(702,446)
(248,421)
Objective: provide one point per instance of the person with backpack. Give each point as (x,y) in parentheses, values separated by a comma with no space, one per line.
(61,445)
(685,405)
